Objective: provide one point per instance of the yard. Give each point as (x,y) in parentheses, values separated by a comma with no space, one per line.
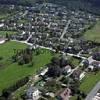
(89,82)
(74,61)
(13,72)
(94,33)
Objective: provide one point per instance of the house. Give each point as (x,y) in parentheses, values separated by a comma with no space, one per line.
(1,25)
(82,75)
(78,75)
(93,65)
(96,64)
(64,94)
(67,69)
(44,71)
(52,95)
(2,40)
(33,93)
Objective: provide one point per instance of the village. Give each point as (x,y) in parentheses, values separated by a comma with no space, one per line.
(59,30)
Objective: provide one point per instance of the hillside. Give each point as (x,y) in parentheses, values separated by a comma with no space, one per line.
(17,2)
(88,5)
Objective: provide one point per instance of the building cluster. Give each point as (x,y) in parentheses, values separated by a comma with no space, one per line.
(57,28)
(48,24)
(52,81)
(59,80)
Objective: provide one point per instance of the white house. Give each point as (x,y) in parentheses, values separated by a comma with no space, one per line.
(33,93)
(1,25)
(82,75)
(44,72)
(2,40)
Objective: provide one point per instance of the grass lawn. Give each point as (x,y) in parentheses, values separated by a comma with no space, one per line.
(3,33)
(94,33)
(7,49)
(73,98)
(13,72)
(89,82)
(74,61)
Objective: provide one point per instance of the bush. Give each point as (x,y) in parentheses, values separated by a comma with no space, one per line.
(1,58)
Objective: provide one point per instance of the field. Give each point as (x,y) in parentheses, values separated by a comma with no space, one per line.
(89,82)
(74,61)
(10,73)
(94,33)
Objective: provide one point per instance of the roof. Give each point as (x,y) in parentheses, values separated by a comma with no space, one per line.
(64,94)
(31,90)
(77,72)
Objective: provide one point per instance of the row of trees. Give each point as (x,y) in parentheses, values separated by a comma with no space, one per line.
(55,67)
(6,93)
(23,57)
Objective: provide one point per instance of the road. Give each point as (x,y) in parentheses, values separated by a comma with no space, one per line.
(93,92)
(36,76)
(30,44)
(29,38)
(65,29)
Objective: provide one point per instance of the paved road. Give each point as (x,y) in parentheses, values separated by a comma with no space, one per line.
(93,92)
(30,44)
(65,29)
(29,38)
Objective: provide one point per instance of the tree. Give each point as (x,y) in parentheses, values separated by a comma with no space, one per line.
(6,93)
(96,56)
(23,57)
(54,71)
(55,61)
(79,98)
(83,95)
(63,62)
(85,64)
(74,85)
(8,36)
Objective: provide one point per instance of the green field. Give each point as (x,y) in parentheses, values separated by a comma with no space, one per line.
(13,72)
(89,82)
(74,61)
(94,33)
(3,33)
